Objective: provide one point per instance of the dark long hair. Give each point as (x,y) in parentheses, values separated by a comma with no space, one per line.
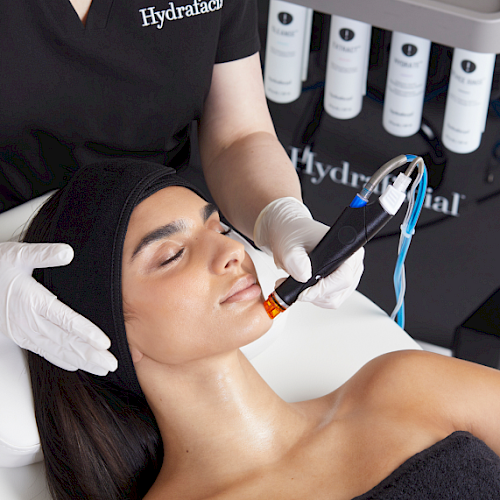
(99,441)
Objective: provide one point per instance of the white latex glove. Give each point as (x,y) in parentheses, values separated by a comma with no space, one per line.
(34,319)
(286,230)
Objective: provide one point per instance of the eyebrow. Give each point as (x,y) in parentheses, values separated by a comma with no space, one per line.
(171,228)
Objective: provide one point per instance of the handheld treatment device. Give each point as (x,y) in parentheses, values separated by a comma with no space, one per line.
(358,224)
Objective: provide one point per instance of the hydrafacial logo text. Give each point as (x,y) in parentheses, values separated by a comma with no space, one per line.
(152,17)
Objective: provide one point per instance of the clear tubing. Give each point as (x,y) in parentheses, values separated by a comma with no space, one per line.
(400,283)
(404,244)
(407,231)
(384,170)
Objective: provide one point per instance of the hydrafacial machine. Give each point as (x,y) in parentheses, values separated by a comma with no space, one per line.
(352,82)
(307,353)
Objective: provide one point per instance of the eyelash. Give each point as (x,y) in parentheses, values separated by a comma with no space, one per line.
(178,255)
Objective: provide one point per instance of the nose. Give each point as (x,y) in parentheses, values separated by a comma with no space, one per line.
(228,254)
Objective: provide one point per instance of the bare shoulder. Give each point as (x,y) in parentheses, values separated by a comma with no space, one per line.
(415,377)
(434,390)
(402,374)
(391,384)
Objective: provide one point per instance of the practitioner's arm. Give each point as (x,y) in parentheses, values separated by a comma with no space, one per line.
(245,165)
(247,169)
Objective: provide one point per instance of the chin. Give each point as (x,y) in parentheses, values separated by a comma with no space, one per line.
(256,325)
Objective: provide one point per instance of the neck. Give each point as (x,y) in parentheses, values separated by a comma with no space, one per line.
(214,410)
(82,8)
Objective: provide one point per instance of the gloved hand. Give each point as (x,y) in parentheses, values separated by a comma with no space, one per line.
(34,319)
(286,230)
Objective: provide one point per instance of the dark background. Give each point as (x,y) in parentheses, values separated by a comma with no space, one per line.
(453,264)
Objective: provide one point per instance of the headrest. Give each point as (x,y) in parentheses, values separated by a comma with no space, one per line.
(19,440)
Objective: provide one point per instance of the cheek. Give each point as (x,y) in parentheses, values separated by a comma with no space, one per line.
(171,322)
(165,296)
(178,318)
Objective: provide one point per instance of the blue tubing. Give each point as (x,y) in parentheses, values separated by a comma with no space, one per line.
(407,234)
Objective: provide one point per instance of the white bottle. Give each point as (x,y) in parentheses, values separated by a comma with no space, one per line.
(406,82)
(287,50)
(347,67)
(468,100)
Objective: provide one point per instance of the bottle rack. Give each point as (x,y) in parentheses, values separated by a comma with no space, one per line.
(468,24)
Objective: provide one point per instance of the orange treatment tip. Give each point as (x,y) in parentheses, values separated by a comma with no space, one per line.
(273,308)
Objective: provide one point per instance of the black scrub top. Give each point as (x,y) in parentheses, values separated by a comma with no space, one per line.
(129,83)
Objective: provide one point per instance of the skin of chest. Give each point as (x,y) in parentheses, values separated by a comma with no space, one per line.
(358,435)
(82,8)
(345,458)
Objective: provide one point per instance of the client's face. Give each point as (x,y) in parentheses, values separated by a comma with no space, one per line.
(189,291)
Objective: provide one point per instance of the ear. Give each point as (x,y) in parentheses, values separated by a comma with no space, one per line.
(136,354)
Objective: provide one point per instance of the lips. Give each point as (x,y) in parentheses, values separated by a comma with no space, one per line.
(245,288)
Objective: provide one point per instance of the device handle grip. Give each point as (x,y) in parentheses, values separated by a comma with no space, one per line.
(353,229)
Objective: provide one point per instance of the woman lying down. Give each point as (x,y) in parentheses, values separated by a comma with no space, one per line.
(186,416)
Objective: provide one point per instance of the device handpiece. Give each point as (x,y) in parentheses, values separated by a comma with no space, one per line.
(353,229)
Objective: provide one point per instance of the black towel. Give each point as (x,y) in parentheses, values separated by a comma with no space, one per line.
(460,466)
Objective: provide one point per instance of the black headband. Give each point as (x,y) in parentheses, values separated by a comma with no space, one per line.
(93,213)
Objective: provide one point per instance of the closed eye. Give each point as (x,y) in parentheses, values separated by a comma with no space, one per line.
(178,255)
